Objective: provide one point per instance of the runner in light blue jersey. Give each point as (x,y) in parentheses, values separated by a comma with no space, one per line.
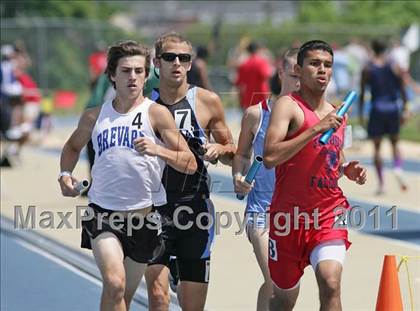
(251,142)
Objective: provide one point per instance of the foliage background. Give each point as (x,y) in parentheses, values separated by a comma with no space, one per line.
(60,35)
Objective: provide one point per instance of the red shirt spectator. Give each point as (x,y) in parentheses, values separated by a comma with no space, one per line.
(252,79)
(31,93)
(97,65)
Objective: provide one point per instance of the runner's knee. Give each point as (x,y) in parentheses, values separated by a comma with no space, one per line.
(158,291)
(158,298)
(329,286)
(114,287)
(282,301)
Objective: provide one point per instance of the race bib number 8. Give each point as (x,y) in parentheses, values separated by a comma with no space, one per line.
(272,249)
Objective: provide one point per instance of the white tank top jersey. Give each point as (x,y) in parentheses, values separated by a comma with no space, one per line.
(122,179)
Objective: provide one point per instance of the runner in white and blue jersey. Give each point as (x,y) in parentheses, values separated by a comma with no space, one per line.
(251,142)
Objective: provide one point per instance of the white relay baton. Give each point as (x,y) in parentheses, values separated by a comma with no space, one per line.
(82,185)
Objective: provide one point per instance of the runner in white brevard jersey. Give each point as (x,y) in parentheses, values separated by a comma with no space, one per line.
(133,140)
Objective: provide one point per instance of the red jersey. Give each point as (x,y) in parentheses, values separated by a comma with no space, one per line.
(309,179)
(97,63)
(253,75)
(31,93)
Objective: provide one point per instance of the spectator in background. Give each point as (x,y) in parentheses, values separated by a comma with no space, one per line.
(31,94)
(400,57)
(97,63)
(10,96)
(341,68)
(237,56)
(44,121)
(253,76)
(275,81)
(10,105)
(198,74)
(26,109)
(151,87)
(385,81)
(358,57)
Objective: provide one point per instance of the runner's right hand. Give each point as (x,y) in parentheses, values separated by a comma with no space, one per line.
(67,184)
(240,185)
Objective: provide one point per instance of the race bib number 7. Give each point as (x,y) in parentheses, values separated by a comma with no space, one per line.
(183,119)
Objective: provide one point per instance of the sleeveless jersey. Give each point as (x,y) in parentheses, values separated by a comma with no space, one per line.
(309,180)
(260,196)
(182,187)
(122,179)
(384,87)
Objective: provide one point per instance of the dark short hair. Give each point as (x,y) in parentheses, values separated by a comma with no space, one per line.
(123,49)
(169,37)
(202,52)
(252,47)
(379,46)
(310,46)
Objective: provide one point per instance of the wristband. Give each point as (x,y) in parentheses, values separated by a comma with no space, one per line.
(64,173)
(342,168)
(237,175)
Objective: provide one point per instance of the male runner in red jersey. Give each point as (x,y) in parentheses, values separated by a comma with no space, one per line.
(307,200)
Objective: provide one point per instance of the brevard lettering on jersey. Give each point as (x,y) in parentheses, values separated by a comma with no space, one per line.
(117,136)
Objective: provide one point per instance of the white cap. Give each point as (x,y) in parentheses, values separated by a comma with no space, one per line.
(7,50)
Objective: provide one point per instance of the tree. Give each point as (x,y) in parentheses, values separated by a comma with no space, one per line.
(318,11)
(398,13)
(370,12)
(52,8)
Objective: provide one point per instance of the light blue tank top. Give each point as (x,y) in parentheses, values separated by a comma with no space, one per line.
(259,198)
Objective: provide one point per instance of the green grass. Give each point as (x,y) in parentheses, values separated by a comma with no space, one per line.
(411,130)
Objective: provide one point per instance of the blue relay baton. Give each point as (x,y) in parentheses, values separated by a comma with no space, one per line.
(258,160)
(350,98)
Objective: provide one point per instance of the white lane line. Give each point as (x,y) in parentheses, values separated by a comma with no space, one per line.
(58,261)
